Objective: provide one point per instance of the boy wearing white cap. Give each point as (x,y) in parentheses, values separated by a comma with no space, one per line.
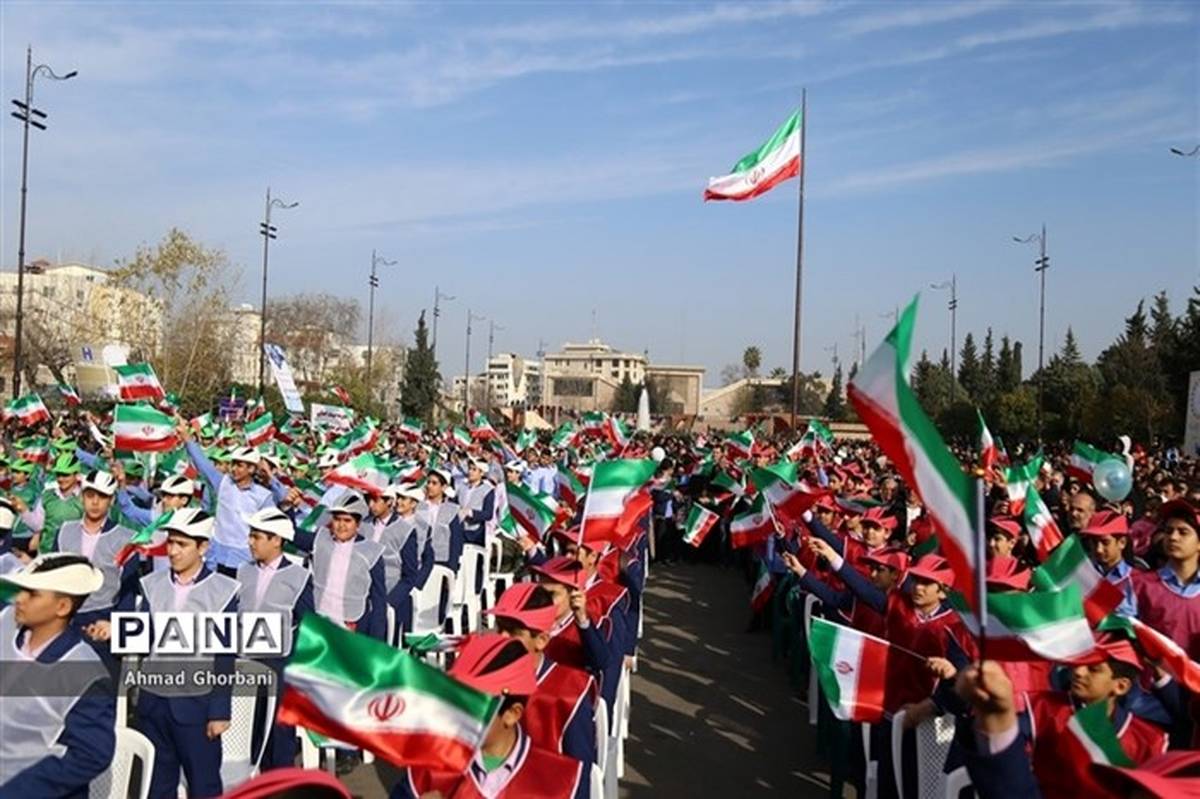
(52,742)
(478,503)
(185,721)
(99,539)
(440,512)
(409,534)
(275,584)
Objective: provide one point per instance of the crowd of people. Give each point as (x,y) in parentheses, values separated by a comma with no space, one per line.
(350,527)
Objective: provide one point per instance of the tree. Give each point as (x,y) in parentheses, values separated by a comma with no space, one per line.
(730,374)
(626,398)
(933,385)
(987,372)
(311,328)
(812,395)
(835,403)
(969,373)
(1015,414)
(659,396)
(1006,380)
(752,359)
(422,383)
(1135,390)
(187,281)
(778,373)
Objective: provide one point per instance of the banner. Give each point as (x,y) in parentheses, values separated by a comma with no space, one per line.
(338,418)
(283,379)
(1191,430)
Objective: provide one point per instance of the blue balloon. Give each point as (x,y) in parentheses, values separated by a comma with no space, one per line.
(1112,480)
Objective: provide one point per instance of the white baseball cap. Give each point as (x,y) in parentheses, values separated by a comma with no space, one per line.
(101,482)
(64,572)
(410,491)
(178,485)
(274,521)
(192,522)
(246,455)
(352,503)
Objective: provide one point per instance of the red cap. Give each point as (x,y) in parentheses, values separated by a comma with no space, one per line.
(513,605)
(277,781)
(1106,522)
(1005,524)
(880,518)
(1181,509)
(933,567)
(474,666)
(1175,774)
(563,569)
(1006,573)
(827,502)
(921,526)
(1109,647)
(890,557)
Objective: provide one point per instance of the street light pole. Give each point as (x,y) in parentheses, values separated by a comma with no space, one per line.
(952,305)
(438,296)
(1040,266)
(35,117)
(268,232)
(487,370)
(374,282)
(467,377)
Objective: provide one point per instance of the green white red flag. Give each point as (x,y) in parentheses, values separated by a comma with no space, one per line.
(260,431)
(763,588)
(356,689)
(1084,460)
(987,445)
(699,524)
(530,510)
(28,410)
(526,439)
(360,439)
(817,439)
(143,543)
(461,436)
(364,473)
(569,487)
(1158,648)
(481,427)
(1093,739)
(1017,482)
(140,428)
(740,445)
(885,402)
(563,435)
(612,483)
(137,381)
(727,485)
(1070,565)
(342,394)
(788,499)
(752,526)
(1038,624)
(619,433)
(412,427)
(776,160)
(1040,525)
(69,395)
(851,669)
(35,449)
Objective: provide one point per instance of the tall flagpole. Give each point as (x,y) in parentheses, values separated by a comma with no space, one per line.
(799,263)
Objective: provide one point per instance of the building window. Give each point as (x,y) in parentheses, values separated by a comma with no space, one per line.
(48,291)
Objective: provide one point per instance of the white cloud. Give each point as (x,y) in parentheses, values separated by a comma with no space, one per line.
(919,16)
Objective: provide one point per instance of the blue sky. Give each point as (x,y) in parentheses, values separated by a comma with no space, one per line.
(540,161)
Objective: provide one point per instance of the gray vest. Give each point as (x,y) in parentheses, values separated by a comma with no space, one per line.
(358,574)
(473,498)
(439,526)
(33,720)
(388,539)
(281,596)
(104,558)
(210,595)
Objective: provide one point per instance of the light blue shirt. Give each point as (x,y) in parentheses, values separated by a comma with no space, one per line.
(1172,581)
(229,546)
(1121,576)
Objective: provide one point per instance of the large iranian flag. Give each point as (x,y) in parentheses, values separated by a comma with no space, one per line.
(612,483)
(1041,624)
(699,524)
(1017,482)
(884,401)
(530,510)
(260,431)
(1069,565)
(752,526)
(740,445)
(140,428)
(1040,525)
(137,381)
(364,473)
(412,427)
(28,410)
(353,688)
(762,170)
(1094,739)
(788,499)
(1158,648)
(851,669)
(1084,460)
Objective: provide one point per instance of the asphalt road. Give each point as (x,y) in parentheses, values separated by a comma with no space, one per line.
(711,714)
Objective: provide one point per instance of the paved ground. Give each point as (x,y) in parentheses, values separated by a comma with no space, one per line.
(711,714)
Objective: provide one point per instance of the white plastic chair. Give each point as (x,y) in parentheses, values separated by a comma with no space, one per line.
(601,735)
(497,580)
(958,781)
(933,739)
(116,782)
(871,776)
(129,663)
(597,783)
(471,567)
(239,760)
(427,601)
(626,699)
(811,604)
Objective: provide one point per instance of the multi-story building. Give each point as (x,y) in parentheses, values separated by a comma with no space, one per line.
(585,377)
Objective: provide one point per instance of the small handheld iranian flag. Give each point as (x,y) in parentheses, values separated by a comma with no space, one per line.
(752,526)
(1046,624)
(137,381)
(1084,460)
(762,170)
(563,435)
(1094,739)
(143,542)
(885,402)
(851,669)
(360,439)
(618,432)
(481,427)
(569,487)
(1039,523)
(353,688)
(763,588)
(28,410)
(140,428)
(1017,482)
(342,394)
(202,423)
(816,439)
(727,486)
(461,436)
(594,422)
(1070,565)
(700,522)
(412,427)
(35,449)
(526,439)
(260,430)
(740,445)
(612,483)
(1158,648)
(364,473)
(788,499)
(69,394)
(987,445)
(530,510)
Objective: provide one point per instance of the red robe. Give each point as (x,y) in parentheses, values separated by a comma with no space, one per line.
(560,693)
(539,775)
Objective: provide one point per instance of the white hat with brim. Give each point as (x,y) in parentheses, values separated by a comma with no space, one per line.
(178,485)
(273,521)
(516,465)
(246,455)
(410,491)
(192,522)
(74,579)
